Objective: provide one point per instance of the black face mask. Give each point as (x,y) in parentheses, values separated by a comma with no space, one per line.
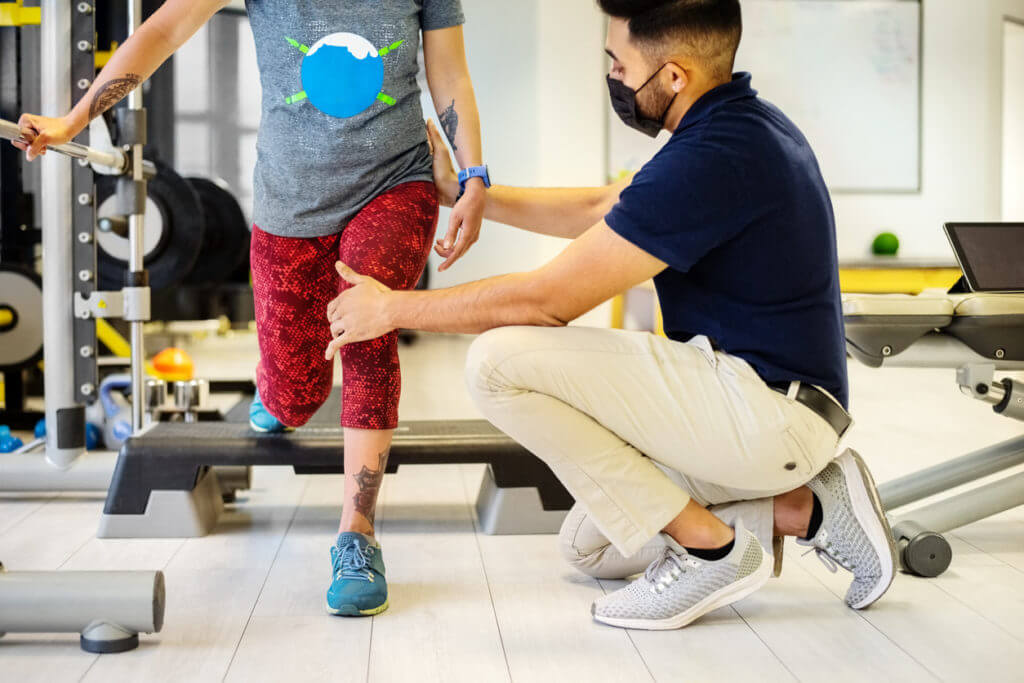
(624,104)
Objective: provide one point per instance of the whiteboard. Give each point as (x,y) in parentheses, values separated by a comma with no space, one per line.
(847,72)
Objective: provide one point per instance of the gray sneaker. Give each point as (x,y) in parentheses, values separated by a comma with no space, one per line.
(854,532)
(679,588)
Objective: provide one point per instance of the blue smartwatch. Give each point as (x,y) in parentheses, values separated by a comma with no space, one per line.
(473,172)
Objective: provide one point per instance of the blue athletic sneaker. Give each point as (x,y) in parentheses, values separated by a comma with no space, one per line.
(260,419)
(358,588)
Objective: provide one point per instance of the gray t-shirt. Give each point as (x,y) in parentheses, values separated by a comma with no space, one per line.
(341,121)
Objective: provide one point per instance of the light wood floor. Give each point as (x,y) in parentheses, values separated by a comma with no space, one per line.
(246,604)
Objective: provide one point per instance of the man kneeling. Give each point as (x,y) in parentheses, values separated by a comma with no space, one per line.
(742,406)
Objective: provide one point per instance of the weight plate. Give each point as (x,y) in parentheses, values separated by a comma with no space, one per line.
(21,291)
(172,245)
(242,274)
(114,245)
(226,240)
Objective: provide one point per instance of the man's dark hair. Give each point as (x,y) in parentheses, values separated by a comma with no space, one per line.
(710,30)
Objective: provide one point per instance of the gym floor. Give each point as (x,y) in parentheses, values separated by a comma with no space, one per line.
(246,603)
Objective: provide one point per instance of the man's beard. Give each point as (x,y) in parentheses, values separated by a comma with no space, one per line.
(654,103)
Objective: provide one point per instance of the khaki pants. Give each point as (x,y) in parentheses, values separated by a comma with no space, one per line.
(636,425)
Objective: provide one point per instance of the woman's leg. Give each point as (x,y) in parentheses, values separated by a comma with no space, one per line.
(293,280)
(389,240)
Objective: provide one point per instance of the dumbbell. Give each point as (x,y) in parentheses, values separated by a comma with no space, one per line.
(155,398)
(190,396)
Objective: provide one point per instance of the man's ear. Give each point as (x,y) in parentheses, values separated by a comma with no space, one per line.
(679,78)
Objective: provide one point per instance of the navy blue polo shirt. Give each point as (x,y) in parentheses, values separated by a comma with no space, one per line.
(736,206)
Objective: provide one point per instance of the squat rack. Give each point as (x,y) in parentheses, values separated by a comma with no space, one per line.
(109,609)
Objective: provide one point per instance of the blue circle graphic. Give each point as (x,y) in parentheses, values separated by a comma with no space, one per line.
(342,75)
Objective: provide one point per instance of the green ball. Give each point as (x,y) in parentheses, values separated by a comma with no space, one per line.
(886,244)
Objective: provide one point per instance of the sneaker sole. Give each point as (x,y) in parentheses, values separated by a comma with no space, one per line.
(263,430)
(734,592)
(352,611)
(868,510)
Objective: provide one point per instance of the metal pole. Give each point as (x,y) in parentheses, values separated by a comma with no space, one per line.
(136,261)
(29,472)
(968,507)
(109,609)
(62,413)
(948,475)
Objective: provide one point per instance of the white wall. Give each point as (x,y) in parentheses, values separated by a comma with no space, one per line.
(537,68)
(962,138)
(1013,122)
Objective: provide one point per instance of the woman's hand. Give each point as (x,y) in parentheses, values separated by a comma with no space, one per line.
(464,225)
(467,212)
(39,131)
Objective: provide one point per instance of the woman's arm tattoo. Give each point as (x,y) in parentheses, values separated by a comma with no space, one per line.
(450,123)
(112,92)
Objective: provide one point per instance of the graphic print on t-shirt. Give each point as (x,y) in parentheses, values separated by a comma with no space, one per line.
(342,74)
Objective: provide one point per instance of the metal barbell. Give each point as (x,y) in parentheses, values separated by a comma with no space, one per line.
(116,160)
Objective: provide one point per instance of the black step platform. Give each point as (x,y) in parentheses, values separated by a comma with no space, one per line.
(175,456)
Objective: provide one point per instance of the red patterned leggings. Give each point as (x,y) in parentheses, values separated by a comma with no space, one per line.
(293,281)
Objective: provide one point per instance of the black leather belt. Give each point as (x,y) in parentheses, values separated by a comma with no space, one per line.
(819,402)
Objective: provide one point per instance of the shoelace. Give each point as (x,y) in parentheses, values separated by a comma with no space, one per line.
(821,546)
(664,571)
(351,562)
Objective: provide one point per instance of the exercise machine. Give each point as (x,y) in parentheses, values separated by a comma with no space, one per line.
(108,609)
(975,330)
(68,303)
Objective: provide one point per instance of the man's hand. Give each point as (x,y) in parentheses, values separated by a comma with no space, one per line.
(39,131)
(357,314)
